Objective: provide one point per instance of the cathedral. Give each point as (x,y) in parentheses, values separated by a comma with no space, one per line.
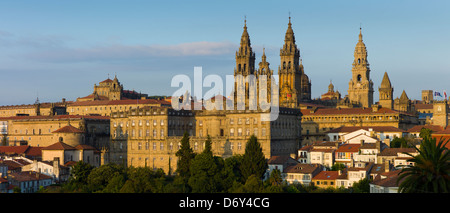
(294,84)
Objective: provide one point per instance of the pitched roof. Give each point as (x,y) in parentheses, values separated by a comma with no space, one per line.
(28,176)
(302,168)
(395,151)
(346,129)
(56,117)
(446,131)
(387,179)
(24,149)
(106,81)
(121,102)
(281,160)
(347,111)
(84,146)
(59,146)
(68,129)
(326,175)
(434,128)
(349,148)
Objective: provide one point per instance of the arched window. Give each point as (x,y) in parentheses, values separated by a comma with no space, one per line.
(284,64)
(359,60)
(359,78)
(289,65)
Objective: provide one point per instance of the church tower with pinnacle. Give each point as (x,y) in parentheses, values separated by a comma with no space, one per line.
(386,91)
(291,73)
(360,87)
(245,66)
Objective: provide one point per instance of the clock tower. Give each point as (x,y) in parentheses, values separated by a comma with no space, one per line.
(360,87)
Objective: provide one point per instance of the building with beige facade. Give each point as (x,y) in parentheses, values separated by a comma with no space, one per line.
(42,131)
(317,121)
(151,136)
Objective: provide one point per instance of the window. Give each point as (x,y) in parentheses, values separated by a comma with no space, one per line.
(161,146)
(147,145)
(232,132)
(139,146)
(154,145)
(239,131)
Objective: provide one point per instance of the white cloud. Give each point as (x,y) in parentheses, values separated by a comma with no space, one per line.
(132,52)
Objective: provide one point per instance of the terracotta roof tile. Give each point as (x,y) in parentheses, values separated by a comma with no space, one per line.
(345,129)
(121,102)
(84,146)
(349,148)
(434,128)
(395,151)
(68,129)
(326,175)
(59,146)
(302,168)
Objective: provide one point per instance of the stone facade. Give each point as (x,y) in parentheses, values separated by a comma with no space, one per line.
(151,136)
(360,88)
(42,131)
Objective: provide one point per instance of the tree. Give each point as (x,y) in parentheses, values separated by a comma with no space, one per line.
(337,167)
(275,178)
(143,180)
(100,177)
(425,133)
(208,146)
(185,154)
(79,175)
(431,169)
(361,186)
(253,160)
(203,170)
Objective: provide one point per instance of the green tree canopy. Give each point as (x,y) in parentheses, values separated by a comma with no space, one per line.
(185,154)
(253,160)
(99,178)
(431,169)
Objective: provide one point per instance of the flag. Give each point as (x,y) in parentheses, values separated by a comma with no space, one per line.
(445,94)
(437,94)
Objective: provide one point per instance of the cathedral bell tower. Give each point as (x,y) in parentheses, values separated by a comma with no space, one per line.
(290,74)
(245,66)
(360,89)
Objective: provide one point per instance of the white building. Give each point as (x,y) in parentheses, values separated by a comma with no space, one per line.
(358,172)
(385,182)
(29,181)
(49,168)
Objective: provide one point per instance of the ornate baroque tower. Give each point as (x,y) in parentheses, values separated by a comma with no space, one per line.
(264,70)
(245,66)
(386,91)
(360,87)
(291,74)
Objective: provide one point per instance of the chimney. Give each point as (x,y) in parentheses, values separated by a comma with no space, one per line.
(56,167)
(386,166)
(339,172)
(378,146)
(362,142)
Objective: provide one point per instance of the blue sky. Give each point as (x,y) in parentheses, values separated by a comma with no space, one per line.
(60,49)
